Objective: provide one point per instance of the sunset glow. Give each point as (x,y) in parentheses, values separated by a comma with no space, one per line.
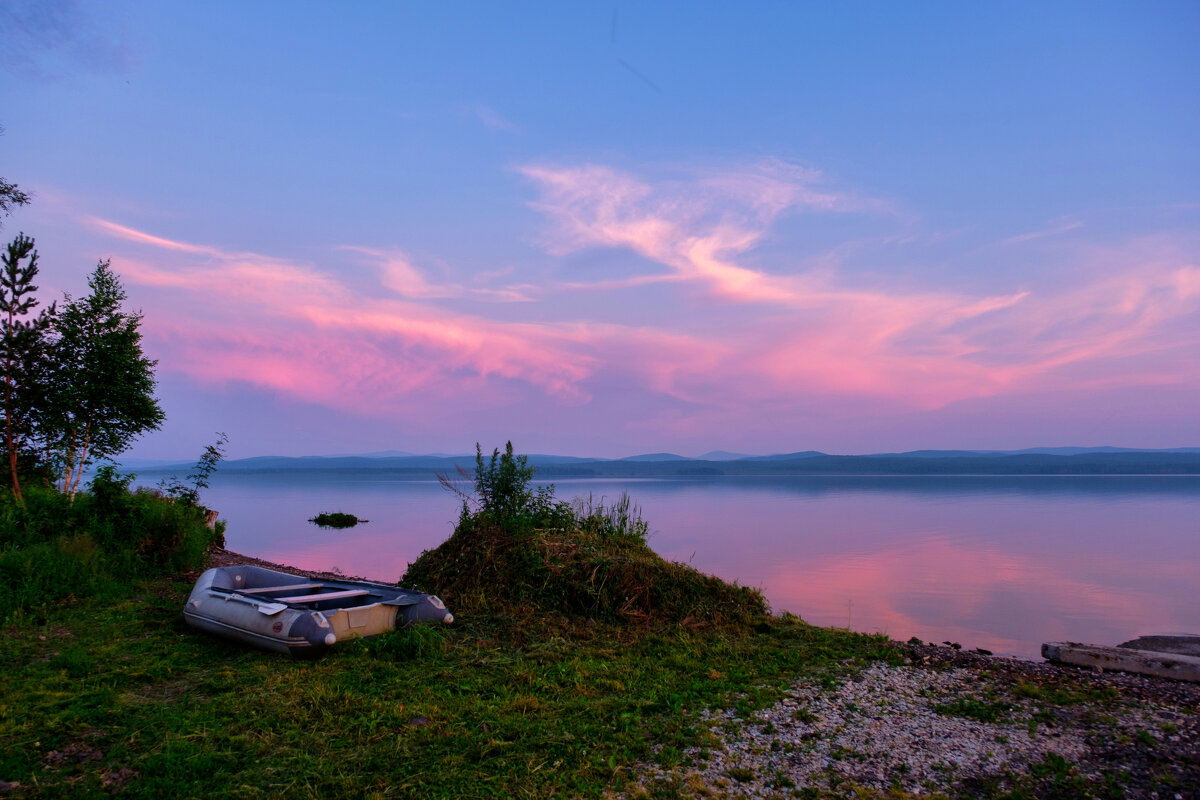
(422,254)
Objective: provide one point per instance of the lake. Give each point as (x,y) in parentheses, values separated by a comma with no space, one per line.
(1001,563)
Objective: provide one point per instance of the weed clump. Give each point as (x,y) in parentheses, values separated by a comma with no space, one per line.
(518,550)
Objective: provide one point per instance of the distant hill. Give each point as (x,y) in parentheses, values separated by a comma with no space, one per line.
(722,455)
(1072,451)
(656,457)
(794,456)
(1047,451)
(1034,461)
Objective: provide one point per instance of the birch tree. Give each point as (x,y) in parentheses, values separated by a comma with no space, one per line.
(101,386)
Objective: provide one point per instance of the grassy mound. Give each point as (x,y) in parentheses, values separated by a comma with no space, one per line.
(575,573)
(525,553)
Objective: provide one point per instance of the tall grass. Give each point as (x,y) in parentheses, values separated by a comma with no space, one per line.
(622,517)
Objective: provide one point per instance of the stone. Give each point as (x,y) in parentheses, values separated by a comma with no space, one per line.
(1181,645)
(1142,662)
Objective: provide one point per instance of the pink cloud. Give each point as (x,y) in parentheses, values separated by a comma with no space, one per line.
(919,347)
(694,227)
(749,340)
(129,234)
(298,330)
(398,273)
(339,335)
(932,350)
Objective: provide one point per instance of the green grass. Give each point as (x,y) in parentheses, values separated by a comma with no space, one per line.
(978,710)
(124,695)
(1067,695)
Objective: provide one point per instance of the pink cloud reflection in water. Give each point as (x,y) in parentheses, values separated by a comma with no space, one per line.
(999,563)
(1002,564)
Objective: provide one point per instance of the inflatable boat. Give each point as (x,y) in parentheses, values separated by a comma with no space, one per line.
(302,616)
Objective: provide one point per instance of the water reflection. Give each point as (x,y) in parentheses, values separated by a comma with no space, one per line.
(994,562)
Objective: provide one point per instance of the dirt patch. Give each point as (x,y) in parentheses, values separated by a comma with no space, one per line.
(70,755)
(117,778)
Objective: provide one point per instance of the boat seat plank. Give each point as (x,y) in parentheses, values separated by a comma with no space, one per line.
(312,598)
(295,587)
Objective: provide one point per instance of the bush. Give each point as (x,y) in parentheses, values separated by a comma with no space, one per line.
(504,497)
(52,549)
(522,551)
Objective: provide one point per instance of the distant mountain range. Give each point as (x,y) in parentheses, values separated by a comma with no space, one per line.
(1032,461)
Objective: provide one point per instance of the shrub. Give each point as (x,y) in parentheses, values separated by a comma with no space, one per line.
(52,549)
(504,497)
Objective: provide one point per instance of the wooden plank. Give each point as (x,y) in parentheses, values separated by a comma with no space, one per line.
(312,598)
(1143,662)
(295,587)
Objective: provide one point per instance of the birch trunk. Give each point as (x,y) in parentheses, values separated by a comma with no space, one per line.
(87,431)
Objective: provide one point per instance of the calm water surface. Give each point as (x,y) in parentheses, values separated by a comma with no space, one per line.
(999,563)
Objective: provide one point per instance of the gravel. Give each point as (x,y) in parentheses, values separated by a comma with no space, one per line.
(955,723)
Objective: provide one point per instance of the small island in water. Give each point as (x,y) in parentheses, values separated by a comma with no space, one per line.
(336,519)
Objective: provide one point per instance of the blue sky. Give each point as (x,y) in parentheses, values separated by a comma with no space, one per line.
(610,229)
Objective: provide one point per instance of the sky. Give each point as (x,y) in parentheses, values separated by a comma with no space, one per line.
(610,229)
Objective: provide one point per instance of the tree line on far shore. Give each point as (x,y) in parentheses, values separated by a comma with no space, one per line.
(76,385)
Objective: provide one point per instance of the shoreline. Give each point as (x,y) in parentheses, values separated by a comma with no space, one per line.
(939,655)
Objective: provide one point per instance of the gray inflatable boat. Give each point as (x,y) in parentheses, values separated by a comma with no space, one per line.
(302,616)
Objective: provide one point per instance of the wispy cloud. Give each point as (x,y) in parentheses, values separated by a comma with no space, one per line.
(756,338)
(490,118)
(1058,226)
(402,276)
(696,227)
(131,235)
(841,336)
(398,273)
(300,330)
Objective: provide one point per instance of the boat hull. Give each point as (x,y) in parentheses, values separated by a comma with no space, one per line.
(288,613)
